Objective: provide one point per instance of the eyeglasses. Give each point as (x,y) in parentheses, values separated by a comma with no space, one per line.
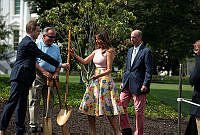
(51,36)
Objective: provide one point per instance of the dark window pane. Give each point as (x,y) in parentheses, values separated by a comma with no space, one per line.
(16,39)
(17,6)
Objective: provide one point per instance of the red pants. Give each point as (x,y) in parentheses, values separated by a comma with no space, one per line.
(139,104)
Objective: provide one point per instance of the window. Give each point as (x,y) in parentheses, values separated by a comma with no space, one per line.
(17,6)
(16,39)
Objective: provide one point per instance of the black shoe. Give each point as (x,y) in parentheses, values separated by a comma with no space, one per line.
(126,131)
(33,130)
(41,129)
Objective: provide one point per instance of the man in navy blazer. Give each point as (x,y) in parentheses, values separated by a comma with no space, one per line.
(193,127)
(135,83)
(22,76)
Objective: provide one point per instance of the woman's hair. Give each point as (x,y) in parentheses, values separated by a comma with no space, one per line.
(197,45)
(31,25)
(103,37)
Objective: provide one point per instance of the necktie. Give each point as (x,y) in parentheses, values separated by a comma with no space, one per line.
(133,56)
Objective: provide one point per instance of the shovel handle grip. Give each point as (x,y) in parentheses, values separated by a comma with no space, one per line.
(48,83)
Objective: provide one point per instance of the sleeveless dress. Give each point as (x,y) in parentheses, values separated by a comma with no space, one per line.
(101,97)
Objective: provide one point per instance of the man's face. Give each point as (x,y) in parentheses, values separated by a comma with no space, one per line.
(36,33)
(135,39)
(49,37)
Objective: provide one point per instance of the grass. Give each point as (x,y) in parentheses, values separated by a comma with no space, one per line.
(168,93)
(161,102)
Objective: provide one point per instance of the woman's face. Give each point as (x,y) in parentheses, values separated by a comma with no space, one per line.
(99,42)
(196,50)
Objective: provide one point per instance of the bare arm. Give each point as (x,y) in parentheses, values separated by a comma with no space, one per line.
(80,59)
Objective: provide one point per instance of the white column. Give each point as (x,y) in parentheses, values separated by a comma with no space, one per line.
(27,16)
(21,27)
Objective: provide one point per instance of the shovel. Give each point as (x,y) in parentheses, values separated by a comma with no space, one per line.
(64,128)
(64,114)
(47,124)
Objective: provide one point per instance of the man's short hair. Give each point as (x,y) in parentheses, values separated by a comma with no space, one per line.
(45,31)
(31,25)
(139,33)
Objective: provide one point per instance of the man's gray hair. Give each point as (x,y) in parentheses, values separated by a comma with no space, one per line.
(139,33)
(45,31)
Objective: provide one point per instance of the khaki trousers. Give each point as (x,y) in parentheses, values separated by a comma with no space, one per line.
(198,124)
(39,90)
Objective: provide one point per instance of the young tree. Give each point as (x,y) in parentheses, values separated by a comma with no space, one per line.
(4,33)
(39,6)
(84,19)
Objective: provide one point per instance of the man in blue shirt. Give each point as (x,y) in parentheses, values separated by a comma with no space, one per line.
(44,71)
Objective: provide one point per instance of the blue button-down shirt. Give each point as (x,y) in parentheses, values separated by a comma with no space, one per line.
(53,51)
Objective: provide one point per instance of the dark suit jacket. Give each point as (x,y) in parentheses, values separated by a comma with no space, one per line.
(24,67)
(140,72)
(195,81)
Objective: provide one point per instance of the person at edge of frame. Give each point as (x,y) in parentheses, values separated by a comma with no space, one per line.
(22,76)
(193,127)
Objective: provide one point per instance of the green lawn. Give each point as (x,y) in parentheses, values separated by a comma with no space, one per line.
(161,102)
(168,93)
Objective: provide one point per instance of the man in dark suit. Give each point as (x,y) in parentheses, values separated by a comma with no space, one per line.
(193,127)
(136,83)
(22,76)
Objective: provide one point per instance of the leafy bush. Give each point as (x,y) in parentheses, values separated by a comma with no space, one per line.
(169,79)
(4,87)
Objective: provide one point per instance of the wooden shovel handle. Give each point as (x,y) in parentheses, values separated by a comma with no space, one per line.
(49,85)
(58,91)
(67,75)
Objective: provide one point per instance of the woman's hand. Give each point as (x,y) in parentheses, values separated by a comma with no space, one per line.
(94,77)
(72,51)
(66,66)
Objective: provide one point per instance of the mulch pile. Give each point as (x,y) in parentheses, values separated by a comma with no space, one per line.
(78,124)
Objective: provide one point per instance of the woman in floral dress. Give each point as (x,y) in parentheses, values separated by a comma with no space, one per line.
(101,98)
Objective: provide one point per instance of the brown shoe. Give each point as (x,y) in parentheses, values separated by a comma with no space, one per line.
(2,132)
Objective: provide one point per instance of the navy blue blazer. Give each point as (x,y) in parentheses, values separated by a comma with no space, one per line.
(195,81)
(24,67)
(140,73)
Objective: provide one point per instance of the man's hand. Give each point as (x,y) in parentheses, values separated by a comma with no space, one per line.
(66,66)
(121,86)
(56,75)
(47,74)
(144,88)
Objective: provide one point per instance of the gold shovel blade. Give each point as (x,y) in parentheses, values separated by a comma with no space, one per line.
(47,126)
(63,116)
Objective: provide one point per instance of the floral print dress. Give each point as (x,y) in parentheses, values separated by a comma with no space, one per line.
(101,97)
